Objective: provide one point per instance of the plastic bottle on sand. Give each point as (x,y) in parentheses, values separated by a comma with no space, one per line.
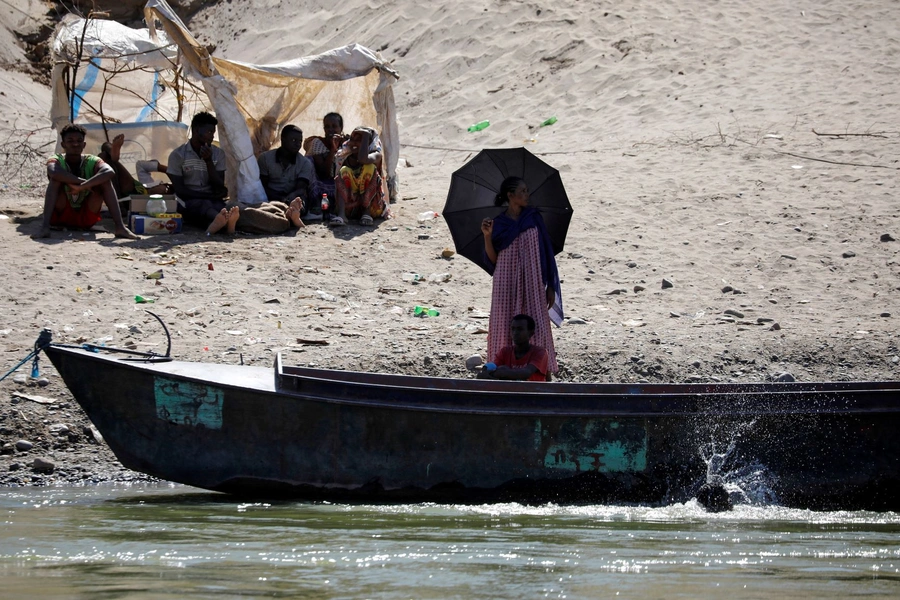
(428,215)
(479,126)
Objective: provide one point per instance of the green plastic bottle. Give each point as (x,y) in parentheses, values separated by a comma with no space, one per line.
(479,126)
(549,121)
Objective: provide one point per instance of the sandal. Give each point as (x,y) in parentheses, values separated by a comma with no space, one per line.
(336,221)
(366,220)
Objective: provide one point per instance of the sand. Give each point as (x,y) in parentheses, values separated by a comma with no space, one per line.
(747,152)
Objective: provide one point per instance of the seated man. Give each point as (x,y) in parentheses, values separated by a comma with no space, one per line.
(287,178)
(359,187)
(197,171)
(522,360)
(325,154)
(124,184)
(80,184)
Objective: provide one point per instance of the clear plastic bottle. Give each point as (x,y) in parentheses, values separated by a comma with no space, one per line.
(428,215)
(324,203)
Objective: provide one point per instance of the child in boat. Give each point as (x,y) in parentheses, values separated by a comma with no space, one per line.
(80,184)
(522,360)
(359,187)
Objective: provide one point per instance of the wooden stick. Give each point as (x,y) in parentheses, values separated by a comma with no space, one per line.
(835,162)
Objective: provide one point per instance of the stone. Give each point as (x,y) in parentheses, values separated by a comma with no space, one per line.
(15,466)
(788,257)
(674,314)
(24,445)
(474,361)
(783,377)
(576,321)
(885,314)
(43,382)
(666,284)
(696,364)
(59,429)
(631,264)
(42,465)
(639,288)
(775,327)
(848,254)
(764,320)
(7,449)
(734,313)
(617,291)
(727,289)
(886,237)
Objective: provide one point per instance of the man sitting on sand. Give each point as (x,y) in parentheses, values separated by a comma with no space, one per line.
(522,361)
(80,184)
(197,171)
(287,178)
(124,184)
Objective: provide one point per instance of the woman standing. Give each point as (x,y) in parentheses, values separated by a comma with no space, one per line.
(519,254)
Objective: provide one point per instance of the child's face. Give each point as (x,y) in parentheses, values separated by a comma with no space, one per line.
(356,140)
(73,143)
(332,126)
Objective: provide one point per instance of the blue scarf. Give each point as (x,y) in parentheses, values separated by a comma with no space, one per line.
(506,230)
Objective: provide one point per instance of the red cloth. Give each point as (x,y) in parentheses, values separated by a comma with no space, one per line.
(81,218)
(536,356)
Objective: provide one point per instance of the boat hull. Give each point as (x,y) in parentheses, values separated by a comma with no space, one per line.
(337,435)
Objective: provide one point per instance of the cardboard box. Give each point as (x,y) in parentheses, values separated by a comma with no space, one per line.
(138,203)
(147,225)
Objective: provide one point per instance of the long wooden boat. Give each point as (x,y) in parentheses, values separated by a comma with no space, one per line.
(322,434)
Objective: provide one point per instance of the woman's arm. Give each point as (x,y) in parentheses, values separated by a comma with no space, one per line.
(487,229)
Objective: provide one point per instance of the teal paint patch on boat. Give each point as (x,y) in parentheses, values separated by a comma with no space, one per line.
(598,445)
(186,403)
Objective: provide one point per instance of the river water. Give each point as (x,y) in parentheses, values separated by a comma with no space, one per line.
(171,541)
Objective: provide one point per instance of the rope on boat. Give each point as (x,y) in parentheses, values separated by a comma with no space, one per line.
(44,339)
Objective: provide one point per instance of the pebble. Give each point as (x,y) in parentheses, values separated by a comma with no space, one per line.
(849,254)
(616,292)
(895,360)
(15,466)
(667,284)
(41,465)
(784,377)
(727,289)
(24,445)
(20,378)
(631,264)
(59,429)
(674,314)
(775,327)
(886,237)
(885,314)
(576,321)
(639,288)
(764,320)
(696,364)
(734,313)
(789,257)
(474,361)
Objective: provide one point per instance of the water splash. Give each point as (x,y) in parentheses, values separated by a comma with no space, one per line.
(746,480)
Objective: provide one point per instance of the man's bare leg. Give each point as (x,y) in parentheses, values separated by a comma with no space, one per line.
(112,204)
(218,223)
(234,213)
(294,211)
(50,198)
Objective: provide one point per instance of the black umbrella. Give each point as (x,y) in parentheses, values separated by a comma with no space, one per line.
(475,185)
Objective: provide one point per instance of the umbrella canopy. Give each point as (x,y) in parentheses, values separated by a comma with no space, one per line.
(475,185)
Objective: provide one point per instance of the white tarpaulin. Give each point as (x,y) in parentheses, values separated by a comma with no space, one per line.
(123,75)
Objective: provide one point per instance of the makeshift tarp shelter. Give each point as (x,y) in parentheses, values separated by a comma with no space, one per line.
(149,83)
